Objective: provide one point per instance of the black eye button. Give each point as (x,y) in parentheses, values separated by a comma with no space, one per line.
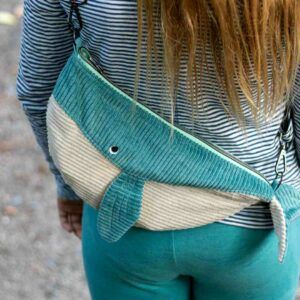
(113,149)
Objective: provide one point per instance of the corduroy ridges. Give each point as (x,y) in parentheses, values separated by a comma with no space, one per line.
(144,153)
(163,207)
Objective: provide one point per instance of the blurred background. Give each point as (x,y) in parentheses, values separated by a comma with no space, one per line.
(38,260)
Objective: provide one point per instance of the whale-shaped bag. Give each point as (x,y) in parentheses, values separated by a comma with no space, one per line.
(117,154)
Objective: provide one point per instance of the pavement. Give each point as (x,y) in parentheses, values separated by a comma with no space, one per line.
(38,260)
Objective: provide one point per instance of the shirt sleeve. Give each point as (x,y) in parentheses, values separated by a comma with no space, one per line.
(296,113)
(46,44)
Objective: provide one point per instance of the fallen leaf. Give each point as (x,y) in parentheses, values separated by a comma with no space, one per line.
(10,210)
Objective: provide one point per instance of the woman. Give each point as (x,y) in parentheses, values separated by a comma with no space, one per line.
(209,57)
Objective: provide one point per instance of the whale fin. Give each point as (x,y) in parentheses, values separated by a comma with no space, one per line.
(120,206)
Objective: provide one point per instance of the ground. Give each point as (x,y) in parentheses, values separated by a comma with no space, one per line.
(38,260)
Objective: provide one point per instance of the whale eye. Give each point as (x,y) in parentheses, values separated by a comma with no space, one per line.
(113,149)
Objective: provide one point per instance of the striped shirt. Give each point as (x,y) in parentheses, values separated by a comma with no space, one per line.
(110,34)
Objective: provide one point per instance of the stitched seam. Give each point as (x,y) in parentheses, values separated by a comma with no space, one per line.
(173,250)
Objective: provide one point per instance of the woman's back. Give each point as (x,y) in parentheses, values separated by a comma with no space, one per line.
(110,34)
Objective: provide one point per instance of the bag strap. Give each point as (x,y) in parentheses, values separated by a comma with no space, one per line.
(284,126)
(285,143)
(74,7)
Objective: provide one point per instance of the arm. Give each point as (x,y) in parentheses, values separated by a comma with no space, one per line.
(296,113)
(46,44)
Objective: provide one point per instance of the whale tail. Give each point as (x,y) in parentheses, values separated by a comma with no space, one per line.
(120,207)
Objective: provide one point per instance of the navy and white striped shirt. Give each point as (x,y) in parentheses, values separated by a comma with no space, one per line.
(110,33)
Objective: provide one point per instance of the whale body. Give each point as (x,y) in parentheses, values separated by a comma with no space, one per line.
(137,142)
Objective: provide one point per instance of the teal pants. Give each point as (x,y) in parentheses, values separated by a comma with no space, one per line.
(210,262)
